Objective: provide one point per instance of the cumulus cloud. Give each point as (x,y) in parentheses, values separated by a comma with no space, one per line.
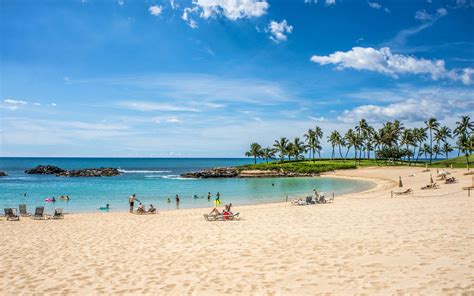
(155,10)
(232,9)
(384,61)
(410,104)
(279,30)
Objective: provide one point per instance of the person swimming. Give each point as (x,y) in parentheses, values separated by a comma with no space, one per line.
(169,200)
(106,208)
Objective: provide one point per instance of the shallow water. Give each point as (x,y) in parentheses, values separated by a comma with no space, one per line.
(153,180)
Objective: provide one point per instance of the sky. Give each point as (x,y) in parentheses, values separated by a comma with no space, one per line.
(205,78)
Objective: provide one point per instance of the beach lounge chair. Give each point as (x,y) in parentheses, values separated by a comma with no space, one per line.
(58,214)
(450,180)
(222,217)
(23,211)
(430,186)
(408,191)
(39,213)
(330,199)
(11,214)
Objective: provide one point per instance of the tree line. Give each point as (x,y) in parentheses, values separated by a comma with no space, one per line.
(392,141)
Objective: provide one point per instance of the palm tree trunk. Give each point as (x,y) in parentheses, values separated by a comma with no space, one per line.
(431,145)
(255,159)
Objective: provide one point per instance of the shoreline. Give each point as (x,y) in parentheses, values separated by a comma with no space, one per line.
(363,243)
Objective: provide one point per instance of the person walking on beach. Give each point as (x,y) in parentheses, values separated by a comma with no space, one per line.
(131,201)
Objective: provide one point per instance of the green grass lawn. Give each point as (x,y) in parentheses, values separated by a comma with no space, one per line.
(325,165)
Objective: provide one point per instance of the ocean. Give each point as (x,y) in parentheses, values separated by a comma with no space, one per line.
(153,180)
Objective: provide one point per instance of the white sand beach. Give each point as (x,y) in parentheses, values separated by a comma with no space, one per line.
(364,243)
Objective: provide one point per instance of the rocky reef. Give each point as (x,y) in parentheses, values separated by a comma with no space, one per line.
(232,172)
(3,174)
(213,173)
(102,172)
(54,170)
(45,170)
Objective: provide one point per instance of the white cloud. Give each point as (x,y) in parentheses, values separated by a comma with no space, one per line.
(410,103)
(423,15)
(384,61)
(120,2)
(186,17)
(37,104)
(151,106)
(155,10)
(13,104)
(374,5)
(53,104)
(279,31)
(166,119)
(310,1)
(330,2)
(231,9)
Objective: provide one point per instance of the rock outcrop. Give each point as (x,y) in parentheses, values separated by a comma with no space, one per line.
(236,173)
(102,172)
(213,173)
(45,170)
(3,174)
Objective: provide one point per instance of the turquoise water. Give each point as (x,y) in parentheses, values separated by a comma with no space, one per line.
(153,180)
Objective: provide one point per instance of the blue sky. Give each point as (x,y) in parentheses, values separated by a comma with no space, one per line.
(208,77)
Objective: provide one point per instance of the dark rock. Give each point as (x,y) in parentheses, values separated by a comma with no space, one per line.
(45,170)
(3,174)
(213,173)
(102,172)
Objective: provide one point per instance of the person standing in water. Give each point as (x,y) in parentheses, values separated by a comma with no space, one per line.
(177,199)
(217,201)
(208,196)
(131,201)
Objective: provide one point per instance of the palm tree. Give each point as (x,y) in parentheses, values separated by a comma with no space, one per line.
(466,146)
(407,140)
(310,137)
(442,134)
(360,129)
(419,135)
(255,151)
(281,146)
(333,140)
(352,140)
(464,127)
(446,149)
(318,132)
(431,124)
(436,151)
(297,147)
(426,149)
(268,153)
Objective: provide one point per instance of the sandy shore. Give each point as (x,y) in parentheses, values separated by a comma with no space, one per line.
(363,243)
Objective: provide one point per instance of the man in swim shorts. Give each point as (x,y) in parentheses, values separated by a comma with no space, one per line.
(131,201)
